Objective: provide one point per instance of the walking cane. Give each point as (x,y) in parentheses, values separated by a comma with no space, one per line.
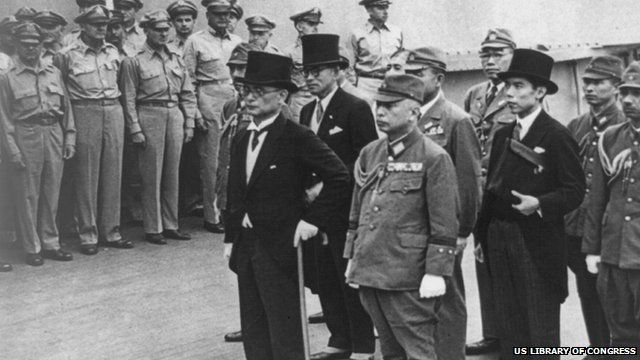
(303,306)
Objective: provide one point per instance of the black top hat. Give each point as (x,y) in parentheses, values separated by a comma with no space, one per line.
(533,65)
(268,70)
(321,50)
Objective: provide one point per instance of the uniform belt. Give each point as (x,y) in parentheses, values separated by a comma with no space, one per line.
(41,119)
(158,103)
(214,82)
(105,102)
(371,76)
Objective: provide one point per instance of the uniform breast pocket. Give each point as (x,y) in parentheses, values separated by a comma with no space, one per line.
(27,99)
(110,70)
(55,95)
(176,76)
(152,80)
(212,64)
(86,76)
(406,186)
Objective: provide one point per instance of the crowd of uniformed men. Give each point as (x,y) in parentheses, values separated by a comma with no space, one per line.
(283,146)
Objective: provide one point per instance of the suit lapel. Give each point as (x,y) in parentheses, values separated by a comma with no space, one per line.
(330,114)
(307,113)
(269,148)
(537,130)
(241,160)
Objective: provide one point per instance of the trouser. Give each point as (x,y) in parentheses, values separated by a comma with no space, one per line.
(7,213)
(528,315)
(100,136)
(487,303)
(37,186)
(131,183)
(269,303)
(211,98)
(451,333)
(159,163)
(297,101)
(619,291)
(406,323)
(348,322)
(592,312)
(190,193)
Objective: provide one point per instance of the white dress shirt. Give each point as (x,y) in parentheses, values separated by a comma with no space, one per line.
(315,122)
(527,121)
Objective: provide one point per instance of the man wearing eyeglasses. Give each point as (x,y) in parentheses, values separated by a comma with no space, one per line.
(487,104)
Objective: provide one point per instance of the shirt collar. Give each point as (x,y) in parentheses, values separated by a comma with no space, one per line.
(498,87)
(215,33)
(134,29)
(600,121)
(370,26)
(84,48)
(527,121)
(21,67)
(253,127)
(426,107)
(327,99)
(153,52)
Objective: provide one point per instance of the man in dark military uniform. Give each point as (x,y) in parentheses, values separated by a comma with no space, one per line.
(74,34)
(600,81)
(234,16)
(38,134)
(611,238)
(135,36)
(450,127)
(183,17)
(402,227)
(160,106)
(52,25)
(487,104)
(260,33)
(534,179)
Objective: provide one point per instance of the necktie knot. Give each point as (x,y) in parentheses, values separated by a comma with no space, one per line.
(491,94)
(256,136)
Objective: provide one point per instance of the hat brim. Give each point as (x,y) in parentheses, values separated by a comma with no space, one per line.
(552,88)
(281,84)
(629,86)
(598,76)
(496,45)
(340,63)
(387,97)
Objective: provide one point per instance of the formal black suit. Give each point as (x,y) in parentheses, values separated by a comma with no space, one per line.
(264,257)
(347,126)
(527,255)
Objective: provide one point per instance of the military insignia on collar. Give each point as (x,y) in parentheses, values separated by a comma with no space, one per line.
(398,148)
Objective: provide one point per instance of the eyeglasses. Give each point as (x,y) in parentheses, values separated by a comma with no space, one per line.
(314,71)
(257,92)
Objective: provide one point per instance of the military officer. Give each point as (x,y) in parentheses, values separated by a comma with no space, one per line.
(206,53)
(183,17)
(610,237)
(260,33)
(487,104)
(74,34)
(52,25)
(599,84)
(371,45)
(160,107)
(306,22)
(39,134)
(117,36)
(25,14)
(450,127)
(90,68)
(6,41)
(129,8)
(234,16)
(402,226)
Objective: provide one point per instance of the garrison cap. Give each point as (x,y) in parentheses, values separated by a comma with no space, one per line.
(240,54)
(89,3)
(236,10)
(429,56)
(28,30)
(220,6)
(312,15)
(498,38)
(368,3)
(182,7)
(127,4)
(604,67)
(46,17)
(8,24)
(152,18)
(631,76)
(94,15)
(25,13)
(400,87)
(116,17)
(259,23)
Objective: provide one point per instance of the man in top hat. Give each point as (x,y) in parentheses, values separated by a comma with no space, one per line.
(487,104)
(52,25)
(260,33)
(306,22)
(402,224)
(39,134)
(345,123)
(610,238)
(600,86)
(534,179)
(206,53)
(234,16)
(116,34)
(90,68)
(450,127)
(268,216)
(135,36)
(74,34)
(183,17)
(160,106)
(371,45)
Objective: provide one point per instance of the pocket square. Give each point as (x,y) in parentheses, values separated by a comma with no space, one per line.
(272,167)
(335,130)
(539,150)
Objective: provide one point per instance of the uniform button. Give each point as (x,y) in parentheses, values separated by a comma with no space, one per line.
(586,190)
(590,159)
(450,251)
(376,209)
(632,180)
(635,143)
(441,250)
(594,143)
(589,175)
(390,158)
(629,199)
(484,153)
(627,218)
(371,227)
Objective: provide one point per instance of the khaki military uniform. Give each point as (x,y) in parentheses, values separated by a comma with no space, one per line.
(136,37)
(302,97)
(6,200)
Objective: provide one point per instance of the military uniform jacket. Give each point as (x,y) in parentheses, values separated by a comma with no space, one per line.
(403,214)
(613,225)
(450,127)
(587,129)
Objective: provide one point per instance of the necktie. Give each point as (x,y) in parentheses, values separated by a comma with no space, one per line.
(493,91)
(256,134)
(516,131)
(319,114)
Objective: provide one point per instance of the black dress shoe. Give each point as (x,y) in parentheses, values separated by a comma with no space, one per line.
(120,244)
(89,249)
(317,318)
(157,239)
(34,259)
(4,267)
(176,235)
(58,255)
(216,228)
(330,356)
(233,336)
(483,346)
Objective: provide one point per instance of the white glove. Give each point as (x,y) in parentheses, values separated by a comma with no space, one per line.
(304,232)
(226,253)
(592,263)
(461,244)
(432,286)
(349,264)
